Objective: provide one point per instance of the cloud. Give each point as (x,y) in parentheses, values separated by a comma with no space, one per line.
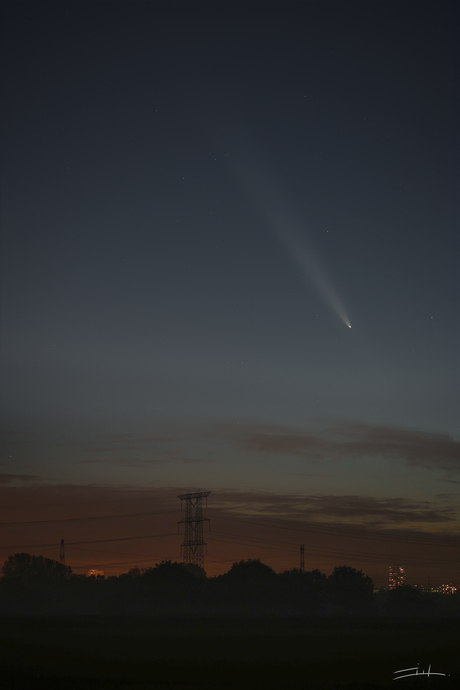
(140,462)
(186,460)
(367,510)
(124,461)
(109,449)
(91,462)
(108,443)
(396,510)
(415,448)
(291,444)
(143,449)
(6,479)
(307,474)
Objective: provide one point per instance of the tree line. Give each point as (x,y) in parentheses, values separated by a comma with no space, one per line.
(34,585)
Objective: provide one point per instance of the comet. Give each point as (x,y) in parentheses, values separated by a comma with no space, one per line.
(288,229)
(265,194)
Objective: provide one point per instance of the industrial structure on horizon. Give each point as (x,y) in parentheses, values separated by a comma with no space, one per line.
(193,546)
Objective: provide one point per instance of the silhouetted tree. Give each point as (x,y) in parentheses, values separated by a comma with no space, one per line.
(350,589)
(24,567)
(251,570)
(409,601)
(135,572)
(249,584)
(171,587)
(169,573)
(302,591)
(195,570)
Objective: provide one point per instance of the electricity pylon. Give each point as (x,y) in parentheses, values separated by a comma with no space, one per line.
(193,545)
(302,559)
(62,553)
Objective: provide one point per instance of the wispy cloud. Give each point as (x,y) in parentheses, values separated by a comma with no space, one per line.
(140,462)
(6,479)
(126,461)
(386,510)
(346,440)
(367,510)
(109,448)
(191,460)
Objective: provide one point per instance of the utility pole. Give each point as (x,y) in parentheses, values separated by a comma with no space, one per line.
(302,559)
(193,545)
(62,553)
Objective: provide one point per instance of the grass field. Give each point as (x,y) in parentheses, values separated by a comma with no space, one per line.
(216,652)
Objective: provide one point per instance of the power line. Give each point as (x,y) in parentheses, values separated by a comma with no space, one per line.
(93,541)
(236,541)
(269,522)
(283,544)
(336,531)
(266,543)
(107,565)
(86,549)
(80,519)
(259,541)
(325,553)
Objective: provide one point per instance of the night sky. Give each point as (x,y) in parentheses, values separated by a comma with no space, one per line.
(230,262)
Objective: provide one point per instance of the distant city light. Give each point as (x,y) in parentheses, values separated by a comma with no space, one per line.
(95,573)
(397,577)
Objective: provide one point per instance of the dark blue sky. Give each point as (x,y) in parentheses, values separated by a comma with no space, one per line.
(184,186)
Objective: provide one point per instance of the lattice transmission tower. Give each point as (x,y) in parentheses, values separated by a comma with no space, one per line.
(302,559)
(192,548)
(62,552)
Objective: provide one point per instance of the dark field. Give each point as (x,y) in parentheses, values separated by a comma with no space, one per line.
(121,652)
